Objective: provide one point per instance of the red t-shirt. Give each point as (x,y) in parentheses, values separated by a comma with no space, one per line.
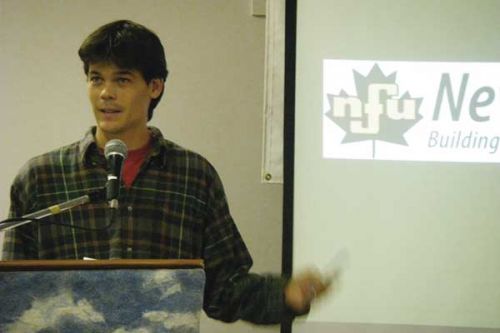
(133,163)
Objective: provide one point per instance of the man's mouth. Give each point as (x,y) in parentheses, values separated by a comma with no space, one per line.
(109,111)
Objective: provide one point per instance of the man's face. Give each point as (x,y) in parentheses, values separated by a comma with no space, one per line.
(120,99)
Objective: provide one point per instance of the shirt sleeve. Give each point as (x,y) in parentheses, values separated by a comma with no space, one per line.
(231,292)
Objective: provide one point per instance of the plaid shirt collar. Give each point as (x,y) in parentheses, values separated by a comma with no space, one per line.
(88,150)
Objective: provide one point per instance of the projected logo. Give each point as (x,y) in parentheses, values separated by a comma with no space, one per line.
(375,112)
(411,111)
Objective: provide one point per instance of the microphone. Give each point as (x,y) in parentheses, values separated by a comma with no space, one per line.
(115,152)
(94,196)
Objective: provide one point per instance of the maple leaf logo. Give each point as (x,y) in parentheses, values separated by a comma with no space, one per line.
(376,113)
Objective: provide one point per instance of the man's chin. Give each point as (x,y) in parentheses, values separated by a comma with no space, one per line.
(109,130)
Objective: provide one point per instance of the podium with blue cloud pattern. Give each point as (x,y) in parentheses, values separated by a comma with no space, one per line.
(121,296)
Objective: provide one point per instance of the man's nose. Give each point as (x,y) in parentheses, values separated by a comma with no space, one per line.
(108,91)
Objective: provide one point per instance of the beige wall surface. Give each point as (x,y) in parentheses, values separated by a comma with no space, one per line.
(212,103)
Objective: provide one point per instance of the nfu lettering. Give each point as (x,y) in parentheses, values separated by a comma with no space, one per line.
(365,115)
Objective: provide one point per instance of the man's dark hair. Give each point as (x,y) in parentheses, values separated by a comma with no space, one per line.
(128,45)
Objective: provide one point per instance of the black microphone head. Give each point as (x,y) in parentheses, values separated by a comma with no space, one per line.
(115,152)
(115,146)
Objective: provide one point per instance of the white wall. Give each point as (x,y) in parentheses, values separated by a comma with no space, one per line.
(212,103)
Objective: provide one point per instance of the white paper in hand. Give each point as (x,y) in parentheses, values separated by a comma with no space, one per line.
(337,265)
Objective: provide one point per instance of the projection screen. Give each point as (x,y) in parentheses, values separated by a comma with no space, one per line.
(396,163)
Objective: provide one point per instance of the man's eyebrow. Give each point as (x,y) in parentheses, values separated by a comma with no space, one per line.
(119,72)
(123,72)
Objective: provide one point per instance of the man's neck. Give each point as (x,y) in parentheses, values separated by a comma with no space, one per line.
(132,140)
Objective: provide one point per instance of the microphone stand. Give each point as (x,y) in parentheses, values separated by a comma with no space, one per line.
(11,223)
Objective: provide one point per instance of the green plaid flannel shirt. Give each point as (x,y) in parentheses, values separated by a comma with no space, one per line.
(175,209)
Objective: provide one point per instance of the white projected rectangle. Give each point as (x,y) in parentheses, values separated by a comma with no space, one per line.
(411,111)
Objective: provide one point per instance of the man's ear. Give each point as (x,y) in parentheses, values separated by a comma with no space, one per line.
(155,88)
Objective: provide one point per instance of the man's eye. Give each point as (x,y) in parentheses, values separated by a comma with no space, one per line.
(123,80)
(95,79)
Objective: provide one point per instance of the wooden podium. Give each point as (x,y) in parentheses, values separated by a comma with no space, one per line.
(122,295)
